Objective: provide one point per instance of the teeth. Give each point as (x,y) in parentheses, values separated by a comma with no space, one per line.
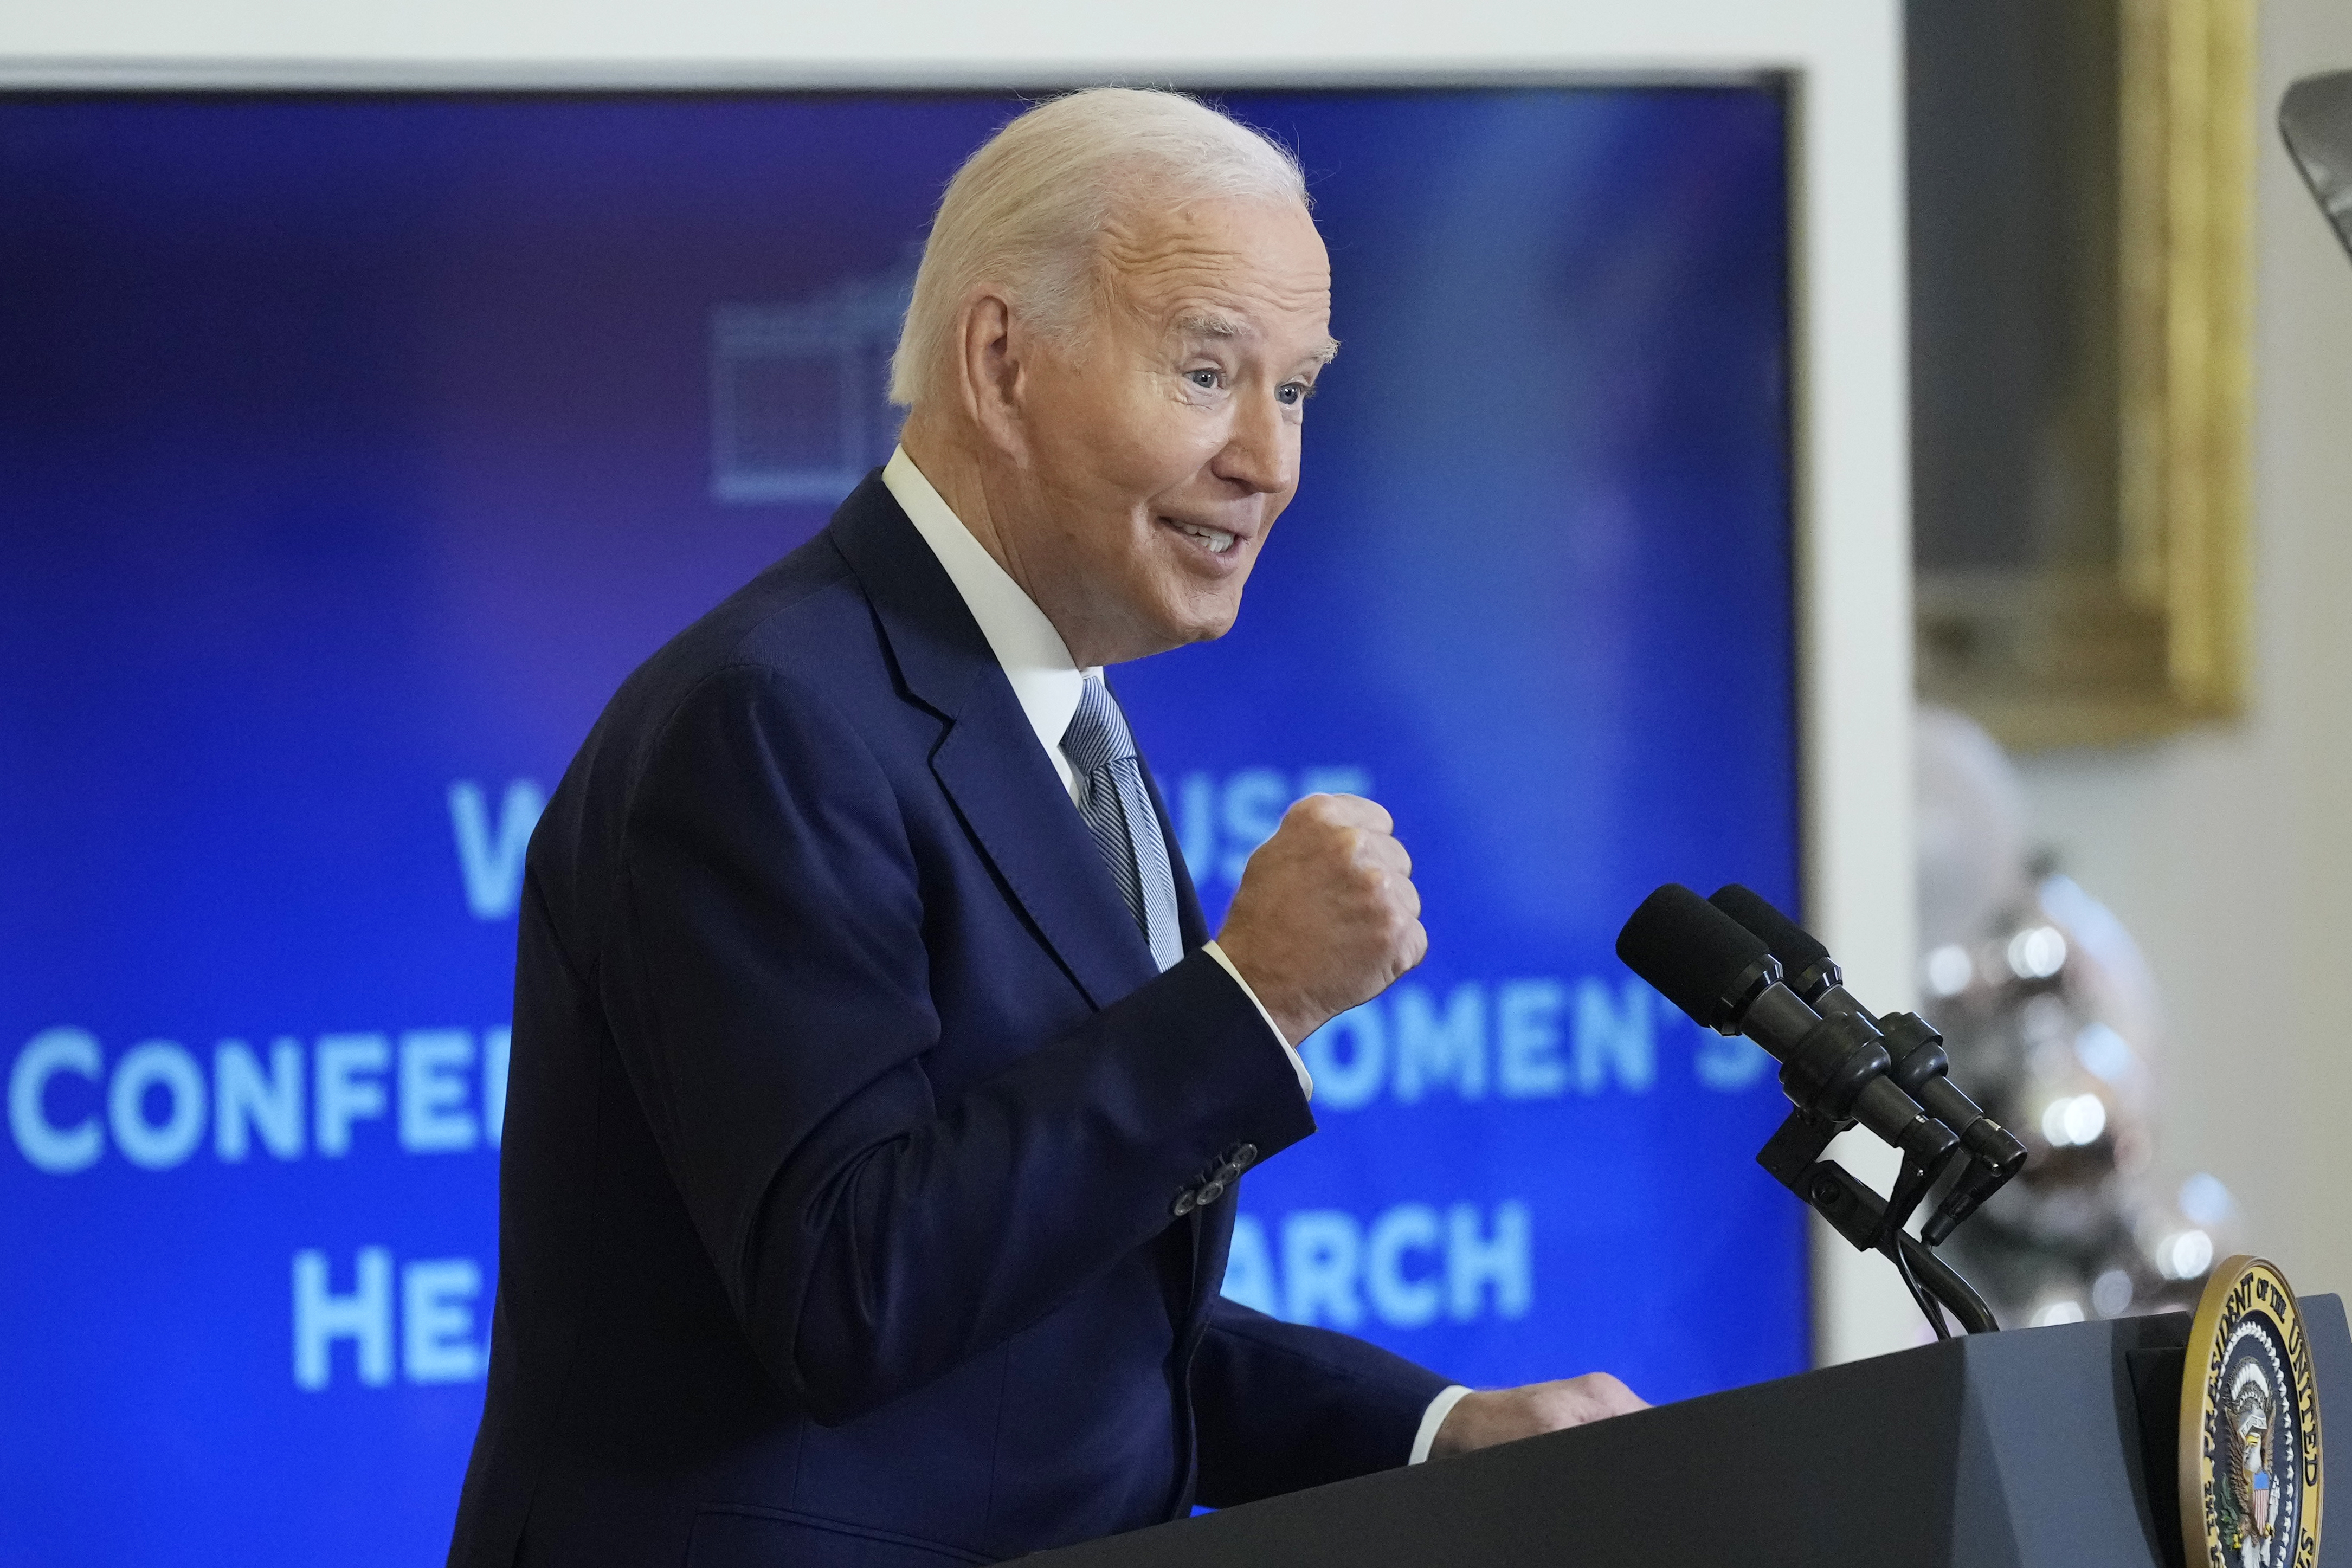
(1217,540)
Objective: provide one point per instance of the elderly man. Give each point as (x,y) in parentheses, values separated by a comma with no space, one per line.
(878,1097)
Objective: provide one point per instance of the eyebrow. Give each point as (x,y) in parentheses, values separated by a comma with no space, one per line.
(1210,324)
(1207,324)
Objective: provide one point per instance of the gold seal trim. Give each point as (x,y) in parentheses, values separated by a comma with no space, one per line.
(2252,1471)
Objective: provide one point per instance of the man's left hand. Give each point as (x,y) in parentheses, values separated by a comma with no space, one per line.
(1504,1415)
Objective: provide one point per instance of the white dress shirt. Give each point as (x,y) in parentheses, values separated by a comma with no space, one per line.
(1047,682)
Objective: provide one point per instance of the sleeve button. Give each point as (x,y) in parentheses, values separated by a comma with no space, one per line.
(1211,1190)
(1185,1202)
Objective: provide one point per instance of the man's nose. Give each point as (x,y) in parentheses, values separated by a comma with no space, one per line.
(1261,452)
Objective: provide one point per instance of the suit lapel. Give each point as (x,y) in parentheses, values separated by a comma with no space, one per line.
(1013,802)
(989,762)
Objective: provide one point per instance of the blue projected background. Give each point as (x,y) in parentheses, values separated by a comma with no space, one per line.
(352,451)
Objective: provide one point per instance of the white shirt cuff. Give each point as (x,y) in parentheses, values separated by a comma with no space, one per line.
(1306,1081)
(1432,1419)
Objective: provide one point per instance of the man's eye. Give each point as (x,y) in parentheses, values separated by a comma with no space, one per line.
(1205,380)
(1293,393)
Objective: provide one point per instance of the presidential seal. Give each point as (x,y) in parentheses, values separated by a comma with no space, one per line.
(2250,1451)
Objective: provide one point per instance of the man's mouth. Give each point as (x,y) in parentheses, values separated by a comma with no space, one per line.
(1216,541)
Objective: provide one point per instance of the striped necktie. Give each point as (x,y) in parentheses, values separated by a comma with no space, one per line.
(1117,809)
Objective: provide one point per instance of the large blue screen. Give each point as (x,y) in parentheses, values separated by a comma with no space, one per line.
(353,449)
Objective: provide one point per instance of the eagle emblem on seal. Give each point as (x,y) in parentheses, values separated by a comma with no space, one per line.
(2246,1496)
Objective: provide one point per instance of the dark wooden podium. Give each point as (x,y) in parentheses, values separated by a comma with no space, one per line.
(2050,1447)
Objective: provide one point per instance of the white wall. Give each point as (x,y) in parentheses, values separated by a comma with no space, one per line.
(1854,439)
(2229,853)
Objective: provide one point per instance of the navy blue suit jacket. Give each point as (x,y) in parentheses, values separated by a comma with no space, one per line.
(846,1123)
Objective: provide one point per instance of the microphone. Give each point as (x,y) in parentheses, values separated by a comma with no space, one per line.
(1921,1068)
(1834,1068)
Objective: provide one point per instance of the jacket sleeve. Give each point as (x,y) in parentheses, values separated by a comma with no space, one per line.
(769,987)
(1284,1406)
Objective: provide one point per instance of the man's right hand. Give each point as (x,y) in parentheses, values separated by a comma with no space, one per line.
(1326,917)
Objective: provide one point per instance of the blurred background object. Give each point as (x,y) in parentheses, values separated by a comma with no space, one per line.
(2080,210)
(2315,118)
(2220,844)
(2053,1020)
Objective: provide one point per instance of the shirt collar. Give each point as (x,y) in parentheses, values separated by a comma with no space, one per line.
(1045,681)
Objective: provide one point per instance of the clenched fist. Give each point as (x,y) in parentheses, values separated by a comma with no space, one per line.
(1326,917)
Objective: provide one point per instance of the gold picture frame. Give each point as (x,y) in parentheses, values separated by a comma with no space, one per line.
(2126,617)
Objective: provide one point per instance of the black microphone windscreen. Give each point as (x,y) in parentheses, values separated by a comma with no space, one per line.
(1795,947)
(1691,951)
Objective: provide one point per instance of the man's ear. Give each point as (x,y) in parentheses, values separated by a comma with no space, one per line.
(991,378)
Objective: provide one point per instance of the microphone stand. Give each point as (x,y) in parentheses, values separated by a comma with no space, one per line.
(1721,968)
(1793,1156)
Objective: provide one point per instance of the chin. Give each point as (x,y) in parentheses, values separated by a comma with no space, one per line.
(1203,617)
(1174,614)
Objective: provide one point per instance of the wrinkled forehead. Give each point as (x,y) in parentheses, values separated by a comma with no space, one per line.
(1232,271)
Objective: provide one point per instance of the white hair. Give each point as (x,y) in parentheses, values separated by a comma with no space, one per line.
(1027,212)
